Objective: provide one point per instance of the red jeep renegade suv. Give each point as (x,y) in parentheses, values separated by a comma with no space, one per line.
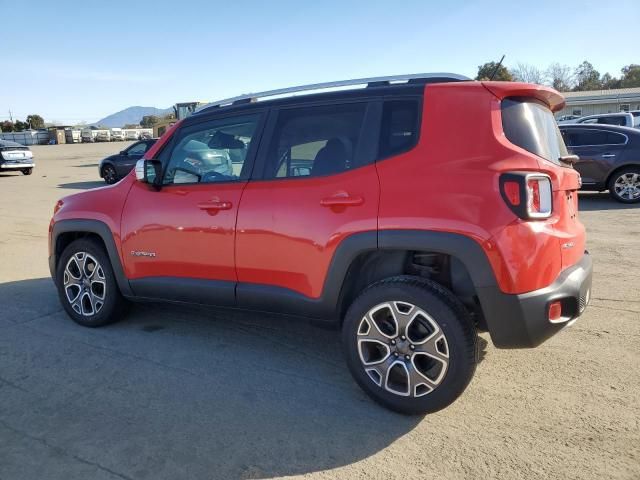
(411,212)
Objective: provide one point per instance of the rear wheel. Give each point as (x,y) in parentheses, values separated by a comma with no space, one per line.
(86,285)
(27,171)
(410,344)
(109,174)
(624,185)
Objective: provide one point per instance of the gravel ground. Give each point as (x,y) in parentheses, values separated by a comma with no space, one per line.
(186,393)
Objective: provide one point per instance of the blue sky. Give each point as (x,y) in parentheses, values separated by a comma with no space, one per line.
(71,61)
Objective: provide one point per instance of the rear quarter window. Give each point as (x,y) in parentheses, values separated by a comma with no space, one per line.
(530,125)
(399,129)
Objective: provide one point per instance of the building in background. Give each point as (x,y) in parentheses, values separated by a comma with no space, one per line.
(592,102)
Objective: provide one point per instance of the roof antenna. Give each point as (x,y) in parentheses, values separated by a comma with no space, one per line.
(495,70)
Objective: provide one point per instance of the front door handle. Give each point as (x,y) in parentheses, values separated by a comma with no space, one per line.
(342,199)
(608,155)
(214,205)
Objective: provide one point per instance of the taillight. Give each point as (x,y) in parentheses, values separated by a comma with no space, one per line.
(527,194)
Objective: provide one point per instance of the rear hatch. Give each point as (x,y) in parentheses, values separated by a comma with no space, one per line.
(528,122)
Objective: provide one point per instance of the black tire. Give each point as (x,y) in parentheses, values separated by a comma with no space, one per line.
(612,181)
(27,171)
(109,174)
(113,306)
(449,315)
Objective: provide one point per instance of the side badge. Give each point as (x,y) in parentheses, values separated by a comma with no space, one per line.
(137,253)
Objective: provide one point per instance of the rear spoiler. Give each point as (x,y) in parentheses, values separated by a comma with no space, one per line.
(548,95)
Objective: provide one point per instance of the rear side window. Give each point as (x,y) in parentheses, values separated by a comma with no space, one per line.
(400,123)
(530,125)
(315,141)
(576,137)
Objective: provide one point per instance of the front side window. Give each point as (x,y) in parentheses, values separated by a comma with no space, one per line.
(530,125)
(315,141)
(212,151)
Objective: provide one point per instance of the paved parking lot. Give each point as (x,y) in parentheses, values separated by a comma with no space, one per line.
(186,393)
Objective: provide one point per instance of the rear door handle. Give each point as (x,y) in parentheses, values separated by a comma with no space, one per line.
(214,205)
(342,199)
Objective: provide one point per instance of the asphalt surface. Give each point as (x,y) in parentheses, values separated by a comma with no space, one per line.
(173,392)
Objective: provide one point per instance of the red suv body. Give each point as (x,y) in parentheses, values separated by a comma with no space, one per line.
(410,214)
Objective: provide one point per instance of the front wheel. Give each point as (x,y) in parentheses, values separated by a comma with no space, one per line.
(624,185)
(27,171)
(87,286)
(410,344)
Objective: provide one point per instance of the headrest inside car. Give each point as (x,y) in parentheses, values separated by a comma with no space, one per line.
(223,140)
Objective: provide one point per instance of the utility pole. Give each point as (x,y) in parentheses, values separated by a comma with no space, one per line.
(10,116)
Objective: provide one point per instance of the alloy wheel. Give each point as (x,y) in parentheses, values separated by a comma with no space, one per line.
(85,285)
(109,174)
(402,349)
(627,186)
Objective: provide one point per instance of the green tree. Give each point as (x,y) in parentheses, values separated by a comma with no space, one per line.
(630,76)
(587,78)
(609,82)
(20,126)
(36,121)
(485,72)
(149,121)
(6,126)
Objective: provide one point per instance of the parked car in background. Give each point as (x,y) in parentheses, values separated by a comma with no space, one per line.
(636,118)
(131,135)
(103,136)
(15,158)
(622,119)
(88,135)
(566,118)
(116,166)
(352,208)
(609,158)
(117,135)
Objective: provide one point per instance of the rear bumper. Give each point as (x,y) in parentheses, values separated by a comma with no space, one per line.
(521,321)
(16,166)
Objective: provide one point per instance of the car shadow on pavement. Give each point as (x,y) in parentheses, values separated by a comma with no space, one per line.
(83,185)
(591,201)
(84,165)
(174,392)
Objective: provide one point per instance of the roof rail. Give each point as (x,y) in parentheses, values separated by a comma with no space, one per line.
(371,82)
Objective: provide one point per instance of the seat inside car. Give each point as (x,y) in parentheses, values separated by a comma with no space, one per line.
(331,158)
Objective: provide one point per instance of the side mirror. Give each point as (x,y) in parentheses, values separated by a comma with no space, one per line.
(148,171)
(123,152)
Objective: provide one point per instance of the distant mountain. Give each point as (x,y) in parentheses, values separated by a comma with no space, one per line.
(131,115)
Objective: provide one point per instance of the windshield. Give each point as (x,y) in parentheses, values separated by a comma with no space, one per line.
(529,124)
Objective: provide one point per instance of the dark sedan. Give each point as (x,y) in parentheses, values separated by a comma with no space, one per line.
(609,158)
(117,166)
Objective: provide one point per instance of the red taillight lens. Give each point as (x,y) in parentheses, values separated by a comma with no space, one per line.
(528,195)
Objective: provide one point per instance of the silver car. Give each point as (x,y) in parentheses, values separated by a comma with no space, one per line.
(15,158)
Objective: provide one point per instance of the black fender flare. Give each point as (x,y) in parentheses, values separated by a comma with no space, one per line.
(96,227)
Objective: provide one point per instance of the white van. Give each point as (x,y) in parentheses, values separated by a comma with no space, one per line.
(117,135)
